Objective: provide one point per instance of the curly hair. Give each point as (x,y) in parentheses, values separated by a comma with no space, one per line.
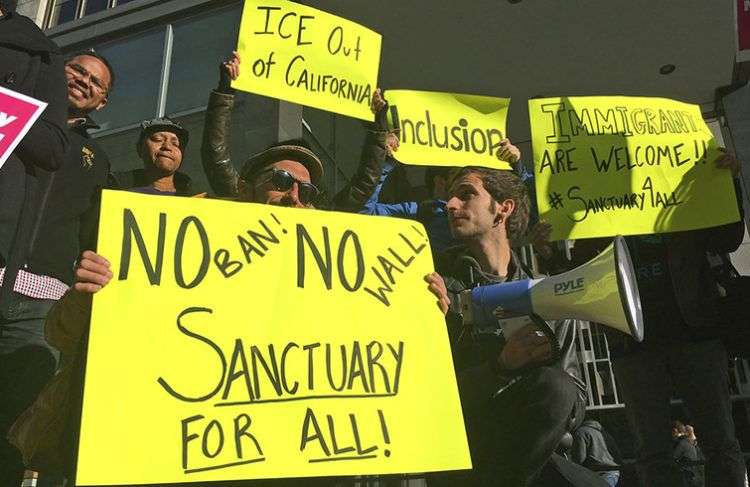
(504,185)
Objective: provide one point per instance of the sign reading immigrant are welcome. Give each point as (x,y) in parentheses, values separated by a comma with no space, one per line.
(18,113)
(449,129)
(242,341)
(304,55)
(626,165)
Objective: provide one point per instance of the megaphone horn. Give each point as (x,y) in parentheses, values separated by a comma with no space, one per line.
(603,290)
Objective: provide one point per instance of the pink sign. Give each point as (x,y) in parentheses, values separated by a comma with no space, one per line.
(743,24)
(17,114)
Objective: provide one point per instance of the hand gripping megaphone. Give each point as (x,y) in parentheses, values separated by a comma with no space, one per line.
(603,290)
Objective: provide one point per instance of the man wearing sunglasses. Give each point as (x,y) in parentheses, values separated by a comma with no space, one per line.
(261,179)
(285,174)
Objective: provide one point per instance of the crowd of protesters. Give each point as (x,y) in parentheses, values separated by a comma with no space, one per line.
(521,394)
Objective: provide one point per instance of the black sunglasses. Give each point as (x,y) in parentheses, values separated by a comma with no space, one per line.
(282,181)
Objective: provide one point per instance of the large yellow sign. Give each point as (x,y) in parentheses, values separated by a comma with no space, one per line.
(626,165)
(304,55)
(242,341)
(449,129)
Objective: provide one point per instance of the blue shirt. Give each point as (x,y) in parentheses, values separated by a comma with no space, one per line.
(431,213)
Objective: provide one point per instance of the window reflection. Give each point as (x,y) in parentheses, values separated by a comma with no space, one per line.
(63,11)
(94,6)
(200,44)
(137,62)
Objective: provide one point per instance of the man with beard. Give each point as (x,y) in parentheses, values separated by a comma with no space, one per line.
(518,377)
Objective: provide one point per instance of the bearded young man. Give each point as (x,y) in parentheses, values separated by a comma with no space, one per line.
(518,378)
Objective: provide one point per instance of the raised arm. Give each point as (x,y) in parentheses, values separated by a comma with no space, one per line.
(215,155)
(374,150)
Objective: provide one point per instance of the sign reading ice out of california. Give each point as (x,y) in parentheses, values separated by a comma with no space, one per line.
(245,341)
(626,165)
(303,55)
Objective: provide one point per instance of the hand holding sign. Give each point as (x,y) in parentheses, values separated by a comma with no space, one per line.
(450,129)
(627,165)
(275,343)
(93,273)
(229,71)
(727,160)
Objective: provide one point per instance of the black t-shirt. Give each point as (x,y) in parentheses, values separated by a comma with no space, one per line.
(661,314)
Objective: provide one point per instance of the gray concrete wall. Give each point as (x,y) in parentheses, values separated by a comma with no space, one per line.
(738,129)
(34,9)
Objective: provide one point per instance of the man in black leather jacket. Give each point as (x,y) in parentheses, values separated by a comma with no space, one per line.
(224,177)
(521,392)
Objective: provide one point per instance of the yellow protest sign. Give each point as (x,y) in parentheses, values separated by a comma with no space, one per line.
(626,165)
(449,129)
(303,55)
(242,341)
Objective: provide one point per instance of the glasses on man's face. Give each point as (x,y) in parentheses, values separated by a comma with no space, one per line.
(283,181)
(85,73)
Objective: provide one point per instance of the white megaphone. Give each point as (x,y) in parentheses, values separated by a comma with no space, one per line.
(603,290)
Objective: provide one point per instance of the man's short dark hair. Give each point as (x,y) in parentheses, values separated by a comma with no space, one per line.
(504,185)
(102,59)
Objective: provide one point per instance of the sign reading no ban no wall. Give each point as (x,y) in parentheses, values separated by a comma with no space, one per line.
(240,341)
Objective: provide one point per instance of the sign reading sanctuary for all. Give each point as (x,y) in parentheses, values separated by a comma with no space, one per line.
(626,165)
(304,55)
(241,341)
(449,129)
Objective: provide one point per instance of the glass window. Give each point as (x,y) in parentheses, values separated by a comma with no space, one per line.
(200,44)
(63,11)
(137,62)
(66,10)
(94,6)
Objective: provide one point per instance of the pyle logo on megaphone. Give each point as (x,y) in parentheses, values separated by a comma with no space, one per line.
(569,287)
(603,290)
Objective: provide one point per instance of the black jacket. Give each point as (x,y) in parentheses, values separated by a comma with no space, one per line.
(68,225)
(223,177)
(135,178)
(591,447)
(480,348)
(29,64)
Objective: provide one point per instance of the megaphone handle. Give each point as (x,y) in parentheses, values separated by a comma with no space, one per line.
(550,334)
